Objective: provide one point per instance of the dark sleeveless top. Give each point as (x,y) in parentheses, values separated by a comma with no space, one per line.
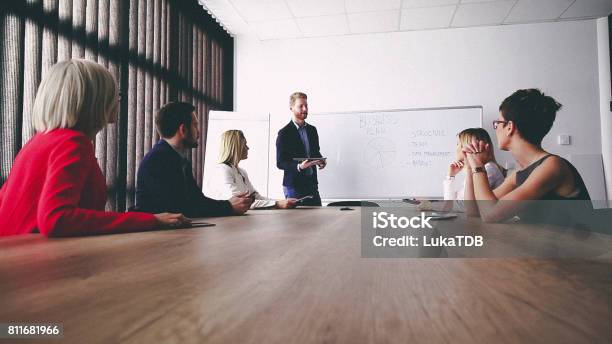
(580,193)
(572,210)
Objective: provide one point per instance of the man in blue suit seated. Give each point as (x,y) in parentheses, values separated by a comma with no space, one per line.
(299,139)
(165,178)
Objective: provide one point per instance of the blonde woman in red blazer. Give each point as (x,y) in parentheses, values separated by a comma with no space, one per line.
(56,186)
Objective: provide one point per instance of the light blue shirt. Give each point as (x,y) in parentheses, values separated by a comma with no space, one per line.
(304,136)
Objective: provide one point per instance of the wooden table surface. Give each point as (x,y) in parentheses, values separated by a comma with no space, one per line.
(295,276)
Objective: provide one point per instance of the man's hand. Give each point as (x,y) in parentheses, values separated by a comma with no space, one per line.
(241,203)
(322,163)
(308,163)
(286,203)
(169,220)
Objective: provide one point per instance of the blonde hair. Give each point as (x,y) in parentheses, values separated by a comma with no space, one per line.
(295,95)
(232,147)
(466,136)
(75,94)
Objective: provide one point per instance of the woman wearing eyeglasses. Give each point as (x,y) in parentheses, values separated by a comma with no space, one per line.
(525,118)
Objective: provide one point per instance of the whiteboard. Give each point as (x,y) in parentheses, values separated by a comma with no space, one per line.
(389,154)
(256,129)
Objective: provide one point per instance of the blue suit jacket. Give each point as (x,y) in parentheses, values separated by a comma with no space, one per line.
(288,146)
(166,184)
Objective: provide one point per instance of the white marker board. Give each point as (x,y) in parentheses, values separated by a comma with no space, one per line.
(256,129)
(389,154)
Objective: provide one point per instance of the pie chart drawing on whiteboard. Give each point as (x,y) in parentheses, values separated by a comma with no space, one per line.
(380,152)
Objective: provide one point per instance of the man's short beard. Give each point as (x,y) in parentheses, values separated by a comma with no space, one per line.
(190,141)
(190,144)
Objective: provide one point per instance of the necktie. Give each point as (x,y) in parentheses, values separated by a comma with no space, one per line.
(304,137)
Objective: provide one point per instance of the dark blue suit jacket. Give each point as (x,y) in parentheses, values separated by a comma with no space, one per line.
(288,146)
(166,184)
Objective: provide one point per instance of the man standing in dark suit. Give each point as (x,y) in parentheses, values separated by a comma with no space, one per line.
(299,139)
(165,178)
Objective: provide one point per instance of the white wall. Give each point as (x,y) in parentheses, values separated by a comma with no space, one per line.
(604,99)
(452,67)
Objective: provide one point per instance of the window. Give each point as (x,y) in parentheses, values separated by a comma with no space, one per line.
(158,51)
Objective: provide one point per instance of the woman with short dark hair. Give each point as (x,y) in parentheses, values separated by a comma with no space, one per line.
(525,118)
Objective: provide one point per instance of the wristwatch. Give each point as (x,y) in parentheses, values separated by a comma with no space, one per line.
(478,169)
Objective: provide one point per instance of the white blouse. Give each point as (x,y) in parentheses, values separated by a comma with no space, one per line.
(456,191)
(228,181)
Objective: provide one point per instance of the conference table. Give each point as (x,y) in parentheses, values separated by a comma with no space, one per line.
(298,276)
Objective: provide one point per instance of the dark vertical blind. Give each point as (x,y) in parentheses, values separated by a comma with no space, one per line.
(610,47)
(158,51)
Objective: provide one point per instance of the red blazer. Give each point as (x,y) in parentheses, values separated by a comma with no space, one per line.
(57,188)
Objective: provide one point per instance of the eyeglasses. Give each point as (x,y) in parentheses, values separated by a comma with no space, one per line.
(496,123)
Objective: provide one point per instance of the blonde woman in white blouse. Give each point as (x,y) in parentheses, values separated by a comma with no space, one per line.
(495,173)
(230,180)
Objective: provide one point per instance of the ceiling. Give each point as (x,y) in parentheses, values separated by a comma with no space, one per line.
(282,19)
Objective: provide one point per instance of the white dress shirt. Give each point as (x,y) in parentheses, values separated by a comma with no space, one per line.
(297,126)
(228,181)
